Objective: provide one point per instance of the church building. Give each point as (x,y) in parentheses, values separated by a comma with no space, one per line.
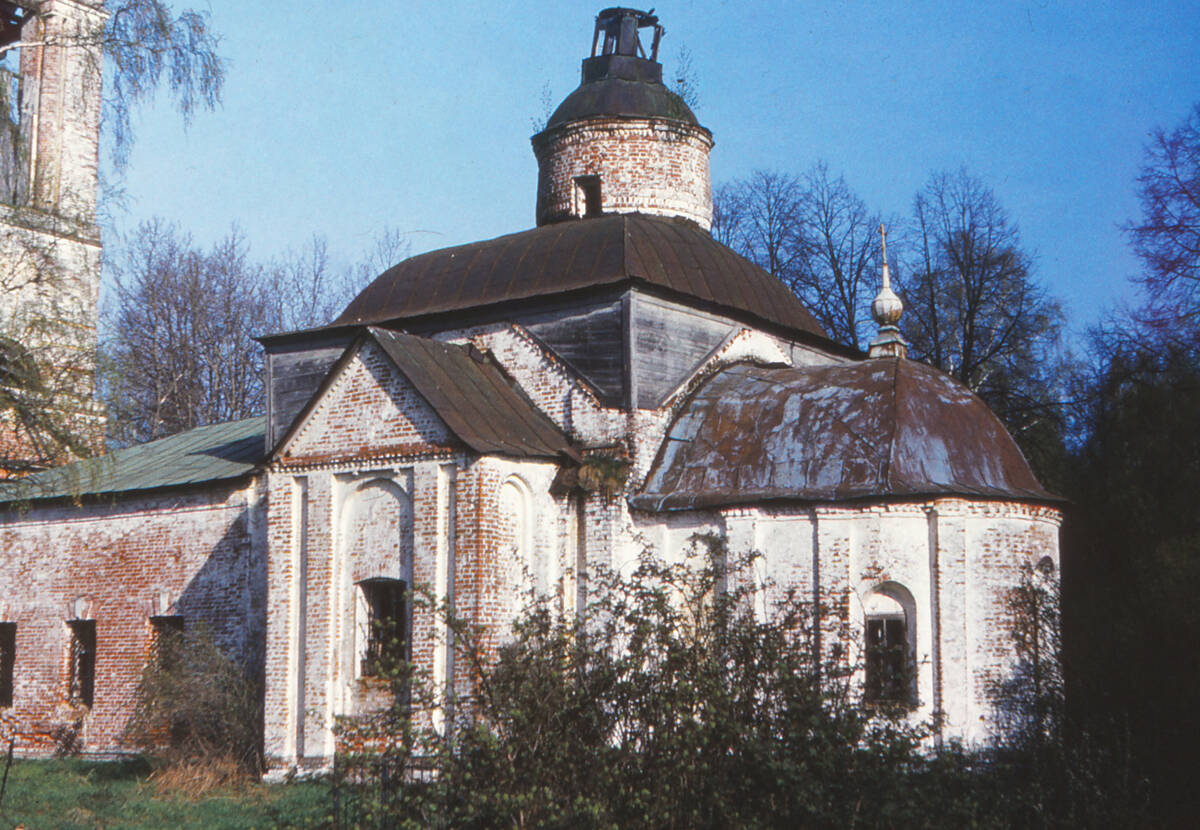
(508,416)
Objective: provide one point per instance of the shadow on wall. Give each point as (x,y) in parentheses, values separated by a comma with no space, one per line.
(228,594)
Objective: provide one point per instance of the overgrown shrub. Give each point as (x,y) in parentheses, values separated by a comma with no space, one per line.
(199,711)
(671,702)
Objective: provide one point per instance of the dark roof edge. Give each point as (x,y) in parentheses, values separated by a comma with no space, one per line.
(542,135)
(368,333)
(494,310)
(654,504)
(10,506)
(418,321)
(419,384)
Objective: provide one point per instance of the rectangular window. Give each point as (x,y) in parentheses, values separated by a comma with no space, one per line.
(887,667)
(588,194)
(386,634)
(82,684)
(166,632)
(8,657)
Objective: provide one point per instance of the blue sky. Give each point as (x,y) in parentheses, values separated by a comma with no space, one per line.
(342,119)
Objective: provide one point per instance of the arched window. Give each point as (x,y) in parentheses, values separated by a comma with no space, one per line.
(377,532)
(890,650)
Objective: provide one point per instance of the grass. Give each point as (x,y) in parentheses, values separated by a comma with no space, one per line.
(69,794)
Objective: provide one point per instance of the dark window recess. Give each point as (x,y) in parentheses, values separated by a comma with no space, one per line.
(166,639)
(589,192)
(387,626)
(889,673)
(83,662)
(8,657)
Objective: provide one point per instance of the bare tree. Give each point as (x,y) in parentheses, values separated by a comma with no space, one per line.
(46,412)
(315,290)
(973,307)
(181,352)
(814,234)
(727,214)
(837,272)
(1167,237)
(759,218)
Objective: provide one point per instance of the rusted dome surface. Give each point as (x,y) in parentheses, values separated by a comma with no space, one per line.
(622,98)
(876,428)
(672,254)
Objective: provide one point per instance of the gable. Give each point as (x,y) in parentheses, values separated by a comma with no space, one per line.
(368,408)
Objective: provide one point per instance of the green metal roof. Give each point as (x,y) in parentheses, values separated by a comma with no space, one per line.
(213,453)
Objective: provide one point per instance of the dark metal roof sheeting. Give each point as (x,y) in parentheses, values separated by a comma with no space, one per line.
(620,97)
(876,428)
(566,256)
(473,396)
(206,454)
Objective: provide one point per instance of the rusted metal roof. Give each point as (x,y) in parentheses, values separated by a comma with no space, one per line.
(875,428)
(671,254)
(474,397)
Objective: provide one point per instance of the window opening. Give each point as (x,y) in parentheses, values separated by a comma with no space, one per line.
(889,647)
(8,658)
(12,19)
(83,662)
(589,196)
(166,635)
(887,660)
(386,629)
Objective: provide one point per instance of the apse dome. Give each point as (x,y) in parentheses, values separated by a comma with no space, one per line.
(883,427)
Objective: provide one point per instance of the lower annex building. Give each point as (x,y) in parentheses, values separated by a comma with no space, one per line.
(434,435)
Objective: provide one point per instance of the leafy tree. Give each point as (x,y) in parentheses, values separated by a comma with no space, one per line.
(47,299)
(44,383)
(141,41)
(1132,551)
(1131,557)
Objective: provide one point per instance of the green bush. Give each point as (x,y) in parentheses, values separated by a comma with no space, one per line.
(668,703)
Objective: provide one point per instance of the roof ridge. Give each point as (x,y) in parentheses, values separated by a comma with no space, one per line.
(478,402)
(893,423)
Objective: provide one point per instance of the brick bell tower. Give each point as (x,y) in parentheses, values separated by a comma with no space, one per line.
(50,91)
(622,142)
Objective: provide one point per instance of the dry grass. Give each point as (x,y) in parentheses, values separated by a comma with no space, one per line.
(197,779)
